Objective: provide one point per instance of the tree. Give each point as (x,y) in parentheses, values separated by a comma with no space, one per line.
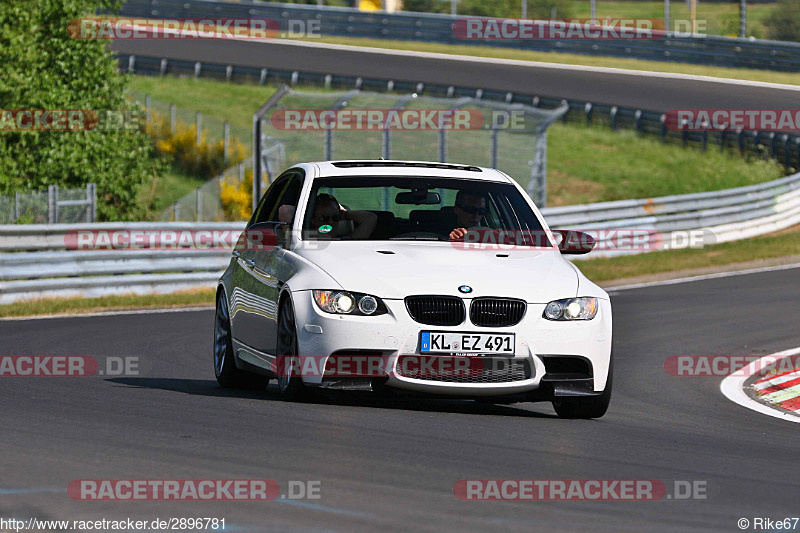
(44,68)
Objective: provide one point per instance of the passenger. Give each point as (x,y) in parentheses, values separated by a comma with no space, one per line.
(328,212)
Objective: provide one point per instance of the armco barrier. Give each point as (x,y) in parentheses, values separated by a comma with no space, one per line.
(698,49)
(34,261)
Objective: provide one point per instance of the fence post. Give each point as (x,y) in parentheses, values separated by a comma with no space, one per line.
(589,108)
(613,117)
(198,124)
(16,205)
(638,117)
(147,109)
(172,118)
(241,171)
(227,129)
(663,128)
(91,199)
(442,145)
(327,147)
(386,150)
(493,137)
(787,152)
(199,205)
(52,204)
(740,140)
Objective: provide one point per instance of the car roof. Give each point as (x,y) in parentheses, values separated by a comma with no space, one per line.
(361,167)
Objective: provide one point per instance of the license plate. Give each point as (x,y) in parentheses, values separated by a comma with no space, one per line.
(454,342)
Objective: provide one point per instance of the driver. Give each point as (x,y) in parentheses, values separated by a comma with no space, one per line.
(469,208)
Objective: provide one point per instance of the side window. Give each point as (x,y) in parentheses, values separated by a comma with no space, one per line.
(269,204)
(291,193)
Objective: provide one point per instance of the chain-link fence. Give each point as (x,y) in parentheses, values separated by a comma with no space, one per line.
(314,126)
(53,206)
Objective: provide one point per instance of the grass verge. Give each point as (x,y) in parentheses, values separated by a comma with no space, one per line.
(781,244)
(66,306)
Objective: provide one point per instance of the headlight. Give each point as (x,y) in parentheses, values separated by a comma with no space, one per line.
(571,309)
(349,303)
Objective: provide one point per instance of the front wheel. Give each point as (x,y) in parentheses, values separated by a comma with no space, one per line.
(225,369)
(586,406)
(290,384)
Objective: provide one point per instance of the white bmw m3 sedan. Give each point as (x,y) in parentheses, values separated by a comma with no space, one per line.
(431,278)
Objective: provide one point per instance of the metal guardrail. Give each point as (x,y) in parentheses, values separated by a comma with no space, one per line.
(697,49)
(42,266)
(783,147)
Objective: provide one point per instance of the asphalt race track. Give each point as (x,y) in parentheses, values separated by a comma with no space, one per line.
(390,465)
(644,91)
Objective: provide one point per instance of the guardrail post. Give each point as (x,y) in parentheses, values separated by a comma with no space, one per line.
(173,118)
(740,141)
(705,136)
(663,128)
(564,116)
(229,73)
(442,146)
(52,204)
(612,116)
(638,117)
(773,148)
(263,79)
(131,64)
(163,66)
(684,133)
(588,110)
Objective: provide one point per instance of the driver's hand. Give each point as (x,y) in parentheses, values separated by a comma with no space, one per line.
(457,234)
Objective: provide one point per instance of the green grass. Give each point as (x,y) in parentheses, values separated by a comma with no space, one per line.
(585,163)
(790,78)
(93,305)
(167,189)
(781,244)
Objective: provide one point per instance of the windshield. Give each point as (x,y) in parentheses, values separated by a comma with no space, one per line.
(414,208)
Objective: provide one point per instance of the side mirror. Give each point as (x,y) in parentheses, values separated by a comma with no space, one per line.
(261,236)
(574,242)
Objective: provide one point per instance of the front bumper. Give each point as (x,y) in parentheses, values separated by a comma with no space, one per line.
(537,342)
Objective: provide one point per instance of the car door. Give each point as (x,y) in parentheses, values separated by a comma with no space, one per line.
(261,269)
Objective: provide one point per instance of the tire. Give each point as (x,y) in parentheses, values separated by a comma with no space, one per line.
(586,406)
(290,386)
(228,376)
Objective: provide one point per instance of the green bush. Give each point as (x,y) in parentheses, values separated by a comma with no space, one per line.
(783,23)
(44,68)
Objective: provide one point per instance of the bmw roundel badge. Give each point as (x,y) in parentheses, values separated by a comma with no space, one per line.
(466,289)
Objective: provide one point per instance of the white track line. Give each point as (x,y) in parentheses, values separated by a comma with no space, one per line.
(733,388)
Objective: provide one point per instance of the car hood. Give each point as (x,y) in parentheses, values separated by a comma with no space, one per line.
(394,270)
